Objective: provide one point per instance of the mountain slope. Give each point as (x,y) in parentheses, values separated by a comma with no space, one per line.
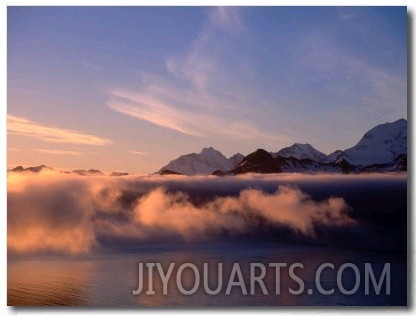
(259,161)
(380,145)
(300,151)
(236,158)
(206,162)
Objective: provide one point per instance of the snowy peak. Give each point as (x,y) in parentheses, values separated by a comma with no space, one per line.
(381,144)
(213,157)
(210,152)
(206,162)
(300,151)
(236,158)
(337,155)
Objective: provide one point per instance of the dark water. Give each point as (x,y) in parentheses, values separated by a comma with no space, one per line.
(108,274)
(109,279)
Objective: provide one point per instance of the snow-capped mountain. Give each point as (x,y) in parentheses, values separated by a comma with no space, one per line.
(383,148)
(236,159)
(206,162)
(380,145)
(336,155)
(300,151)
(261,161)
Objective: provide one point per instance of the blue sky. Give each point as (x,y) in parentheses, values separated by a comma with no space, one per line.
(131,88)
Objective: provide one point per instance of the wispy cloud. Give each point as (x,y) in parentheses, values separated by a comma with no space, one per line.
(200,64)
(198,97)
(24,127)
(226,18)
(153,110)
(135,152)
(58,152)
(193,122)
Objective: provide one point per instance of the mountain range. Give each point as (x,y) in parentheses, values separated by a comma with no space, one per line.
(381,149)
(81,172)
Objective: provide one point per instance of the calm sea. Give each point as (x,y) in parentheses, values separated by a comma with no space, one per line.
(109,279)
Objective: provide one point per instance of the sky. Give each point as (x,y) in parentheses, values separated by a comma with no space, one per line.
(131,88)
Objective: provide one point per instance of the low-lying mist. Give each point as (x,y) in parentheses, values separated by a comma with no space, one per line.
(61,213)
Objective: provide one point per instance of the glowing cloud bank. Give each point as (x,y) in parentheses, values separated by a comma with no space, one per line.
(61,213)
